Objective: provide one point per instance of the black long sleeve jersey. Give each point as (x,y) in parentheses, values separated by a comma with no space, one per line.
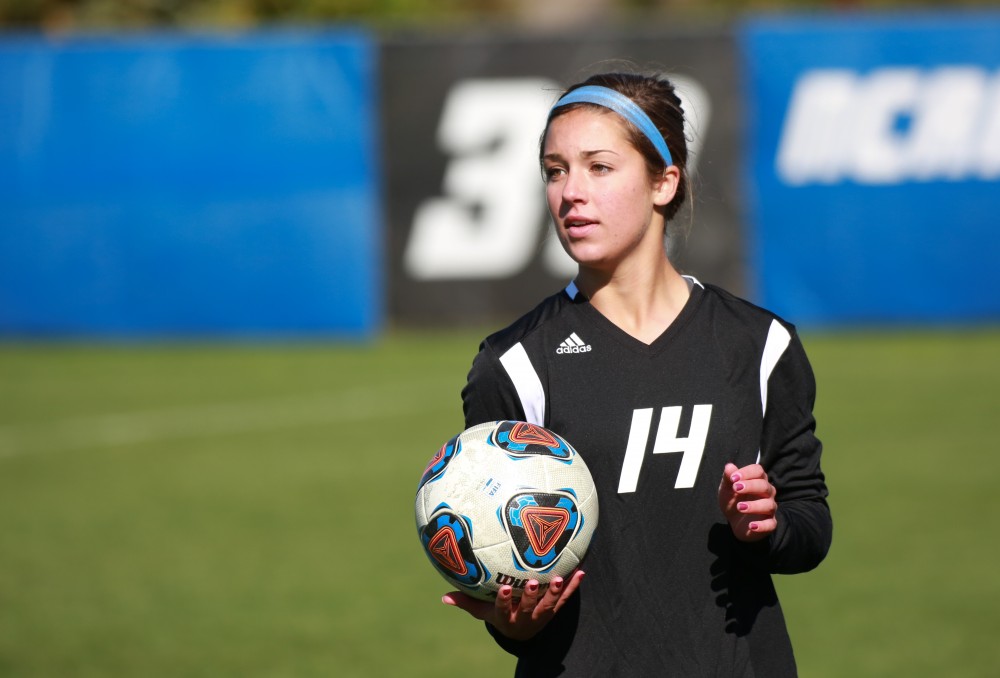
(669,590)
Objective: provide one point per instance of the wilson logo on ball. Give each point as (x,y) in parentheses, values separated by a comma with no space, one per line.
(522,439)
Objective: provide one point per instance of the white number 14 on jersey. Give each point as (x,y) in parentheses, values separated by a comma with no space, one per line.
(693,446)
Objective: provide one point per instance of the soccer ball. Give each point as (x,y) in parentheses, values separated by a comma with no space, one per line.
(502,503)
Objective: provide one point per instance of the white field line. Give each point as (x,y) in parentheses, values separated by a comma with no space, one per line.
(224,418)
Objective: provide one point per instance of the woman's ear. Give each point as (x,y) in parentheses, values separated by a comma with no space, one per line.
(665,187)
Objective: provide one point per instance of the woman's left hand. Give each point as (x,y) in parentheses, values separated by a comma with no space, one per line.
(746,497)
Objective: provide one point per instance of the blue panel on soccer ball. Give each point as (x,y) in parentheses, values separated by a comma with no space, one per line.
(541,525)
(447,541)
(439,462)
(210,185)
(874,167)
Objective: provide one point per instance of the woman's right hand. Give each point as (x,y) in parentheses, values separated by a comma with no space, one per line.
(519,619)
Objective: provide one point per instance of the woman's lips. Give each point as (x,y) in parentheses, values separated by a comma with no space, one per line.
(578,228)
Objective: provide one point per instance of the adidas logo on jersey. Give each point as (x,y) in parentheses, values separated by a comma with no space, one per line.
(573,344)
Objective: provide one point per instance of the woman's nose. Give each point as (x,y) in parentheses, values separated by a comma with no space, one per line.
(574,189)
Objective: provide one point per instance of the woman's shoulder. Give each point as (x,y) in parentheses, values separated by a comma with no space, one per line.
(740,309)
(544,313)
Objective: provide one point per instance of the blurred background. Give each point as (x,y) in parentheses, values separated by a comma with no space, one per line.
(248,249)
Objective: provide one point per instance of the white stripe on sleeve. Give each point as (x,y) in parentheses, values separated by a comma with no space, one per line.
(526,382)
(778,339)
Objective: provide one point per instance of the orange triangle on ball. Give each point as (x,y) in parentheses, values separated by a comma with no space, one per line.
(444,547)
(544,526)
(525,434)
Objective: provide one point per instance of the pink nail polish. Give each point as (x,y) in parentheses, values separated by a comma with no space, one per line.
(735,477)
(742,506)
(739,487)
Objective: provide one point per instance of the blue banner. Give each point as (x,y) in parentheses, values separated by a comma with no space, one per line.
(874,167)
(179,185)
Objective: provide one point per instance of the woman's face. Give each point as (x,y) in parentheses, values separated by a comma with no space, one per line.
(599,191)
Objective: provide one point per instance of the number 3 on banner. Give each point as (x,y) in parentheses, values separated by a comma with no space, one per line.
(487,223)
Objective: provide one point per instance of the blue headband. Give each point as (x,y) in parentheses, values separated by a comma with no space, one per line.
(623,106)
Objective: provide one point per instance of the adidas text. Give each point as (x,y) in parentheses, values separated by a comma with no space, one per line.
(573,344)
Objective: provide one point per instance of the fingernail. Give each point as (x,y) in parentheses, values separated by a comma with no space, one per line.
(739,487)
(742,506)
(734,477)
(754,527)
(532,586)
(505,590)
(556,584)
(447,601)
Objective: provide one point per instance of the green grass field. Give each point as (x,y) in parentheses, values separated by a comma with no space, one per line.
(246,510)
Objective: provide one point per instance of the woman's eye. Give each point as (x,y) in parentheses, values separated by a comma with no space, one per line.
(553,173)
(598,168)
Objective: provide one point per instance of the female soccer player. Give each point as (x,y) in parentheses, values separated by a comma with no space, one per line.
(691,407)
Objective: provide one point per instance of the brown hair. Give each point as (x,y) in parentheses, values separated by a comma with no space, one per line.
(657,97)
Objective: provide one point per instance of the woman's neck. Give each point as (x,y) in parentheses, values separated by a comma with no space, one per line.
(642,301)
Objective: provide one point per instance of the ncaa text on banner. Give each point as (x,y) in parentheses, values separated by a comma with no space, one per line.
(892,126)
